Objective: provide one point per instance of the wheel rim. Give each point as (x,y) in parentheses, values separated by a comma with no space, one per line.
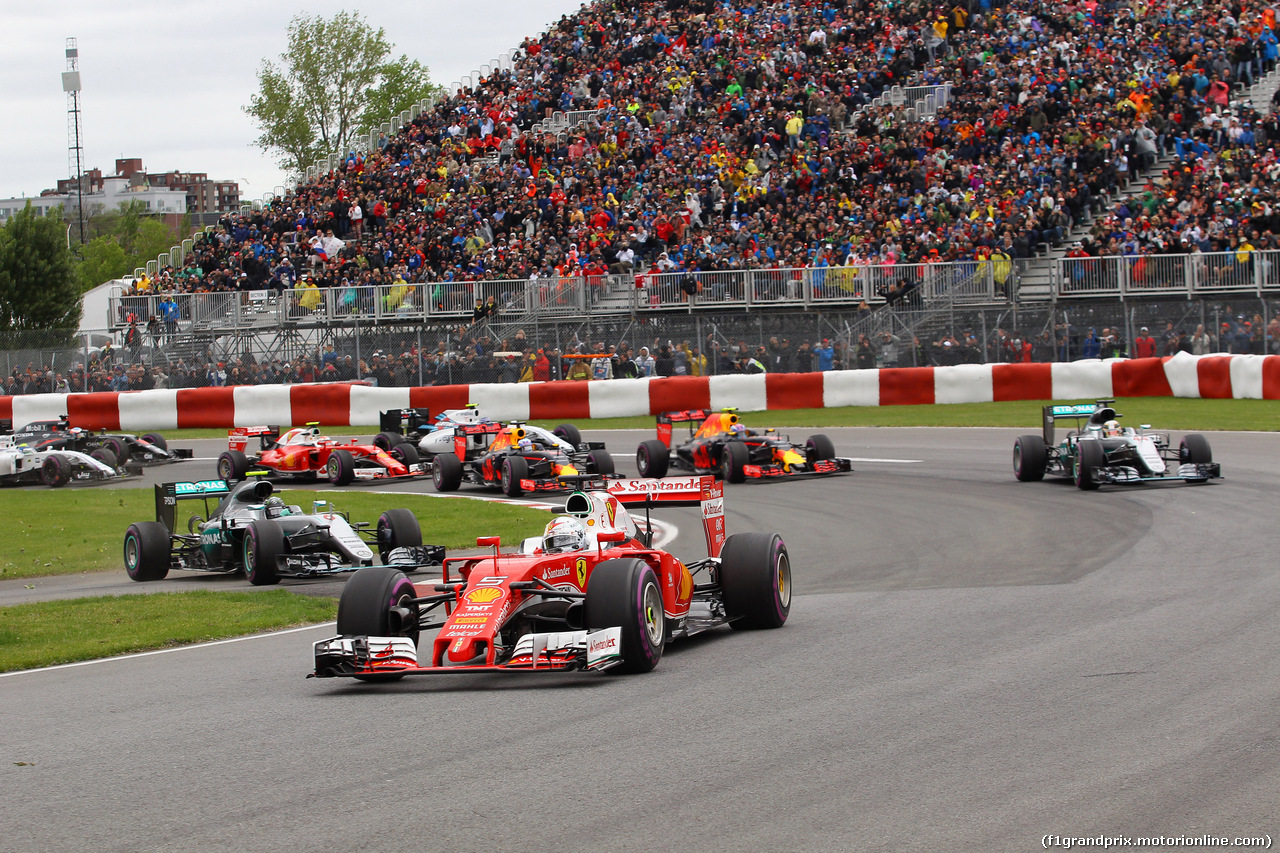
(130,553)
(1017,459)
(437,476)
(506,477)
(224,469)
(652,614)
(249,561)
(332,466)
(782,580)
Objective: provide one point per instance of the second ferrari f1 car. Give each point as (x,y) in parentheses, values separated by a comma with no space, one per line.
(251,529)
(303,453)
(720,444)
(517,458)
(590,594)
(1102,451)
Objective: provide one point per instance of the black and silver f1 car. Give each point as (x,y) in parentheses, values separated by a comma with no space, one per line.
(519,458)
(252,530)
(59,434)
(721,445)
(1102,451)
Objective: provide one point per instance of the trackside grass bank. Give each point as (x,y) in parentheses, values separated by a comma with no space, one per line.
(1163,412)
(54,632)
(69,530)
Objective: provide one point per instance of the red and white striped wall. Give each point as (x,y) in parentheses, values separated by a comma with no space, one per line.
(1217,377)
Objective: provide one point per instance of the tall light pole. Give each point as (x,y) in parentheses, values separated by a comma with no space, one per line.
(75,150)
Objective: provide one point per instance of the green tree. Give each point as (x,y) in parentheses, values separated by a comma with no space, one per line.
(334,79)
(38,284)
(127,239)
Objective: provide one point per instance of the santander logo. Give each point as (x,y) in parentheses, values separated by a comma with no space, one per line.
(602,644)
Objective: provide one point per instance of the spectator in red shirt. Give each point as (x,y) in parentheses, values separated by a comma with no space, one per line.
(1144,346)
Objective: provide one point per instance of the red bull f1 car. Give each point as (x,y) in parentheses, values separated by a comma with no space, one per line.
(720,444)
(517,458)
(304,454)
(590,594)
(1101,451)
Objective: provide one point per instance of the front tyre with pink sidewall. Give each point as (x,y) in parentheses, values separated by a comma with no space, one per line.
(624,594)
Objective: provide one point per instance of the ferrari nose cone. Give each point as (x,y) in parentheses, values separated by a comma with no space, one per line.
(465,652)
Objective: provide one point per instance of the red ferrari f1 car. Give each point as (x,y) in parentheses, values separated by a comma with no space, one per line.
(591,593)
(304,453)
(720,444)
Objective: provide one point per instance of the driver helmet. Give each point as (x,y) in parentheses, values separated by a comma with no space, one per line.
(525,444)
(739,430)
(564,534)
(275,508)
(1111,429)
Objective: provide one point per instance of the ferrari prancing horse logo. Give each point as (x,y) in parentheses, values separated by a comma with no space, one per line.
(582,572)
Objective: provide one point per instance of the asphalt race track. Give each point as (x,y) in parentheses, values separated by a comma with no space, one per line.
(971,663)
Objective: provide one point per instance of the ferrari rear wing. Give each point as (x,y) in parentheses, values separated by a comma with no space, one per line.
(238,438)
(705,491)
(168,495)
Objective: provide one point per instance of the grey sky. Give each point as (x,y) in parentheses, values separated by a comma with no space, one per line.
(165,80)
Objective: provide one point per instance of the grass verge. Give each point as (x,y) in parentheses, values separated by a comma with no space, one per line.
(35,635)
(64,531)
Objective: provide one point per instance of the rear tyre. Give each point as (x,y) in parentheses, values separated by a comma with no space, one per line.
(263,542)
(601,462)
(1088,456)
(365,609)
(232,465)
(341,467)
(819,447)
(652,459)
(146,551)
(406,454)
(156,439)
(387,440)
(118,447)
(446,472)
(397,528)
(569,433)
(1030,457)
(755,579)
(106,457)
(55,470)
(625,593)
(732,460)
(514,469)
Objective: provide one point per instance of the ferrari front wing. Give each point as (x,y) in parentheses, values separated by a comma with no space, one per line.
(555,652)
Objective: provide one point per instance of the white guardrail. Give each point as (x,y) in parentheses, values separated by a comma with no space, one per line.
(961,283)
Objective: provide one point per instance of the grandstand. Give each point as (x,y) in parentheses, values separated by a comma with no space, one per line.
(731,173)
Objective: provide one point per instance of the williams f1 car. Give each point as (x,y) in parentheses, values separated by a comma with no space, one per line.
(303,453)
(434,437)
(21,463)
(250,529)
(1102,451)
(517,458)
(59,434)
(721,445)
(590,594)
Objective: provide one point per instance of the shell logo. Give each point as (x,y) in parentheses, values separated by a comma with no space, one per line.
(484,596)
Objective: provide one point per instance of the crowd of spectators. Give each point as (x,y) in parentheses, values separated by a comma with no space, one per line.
(737,135)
